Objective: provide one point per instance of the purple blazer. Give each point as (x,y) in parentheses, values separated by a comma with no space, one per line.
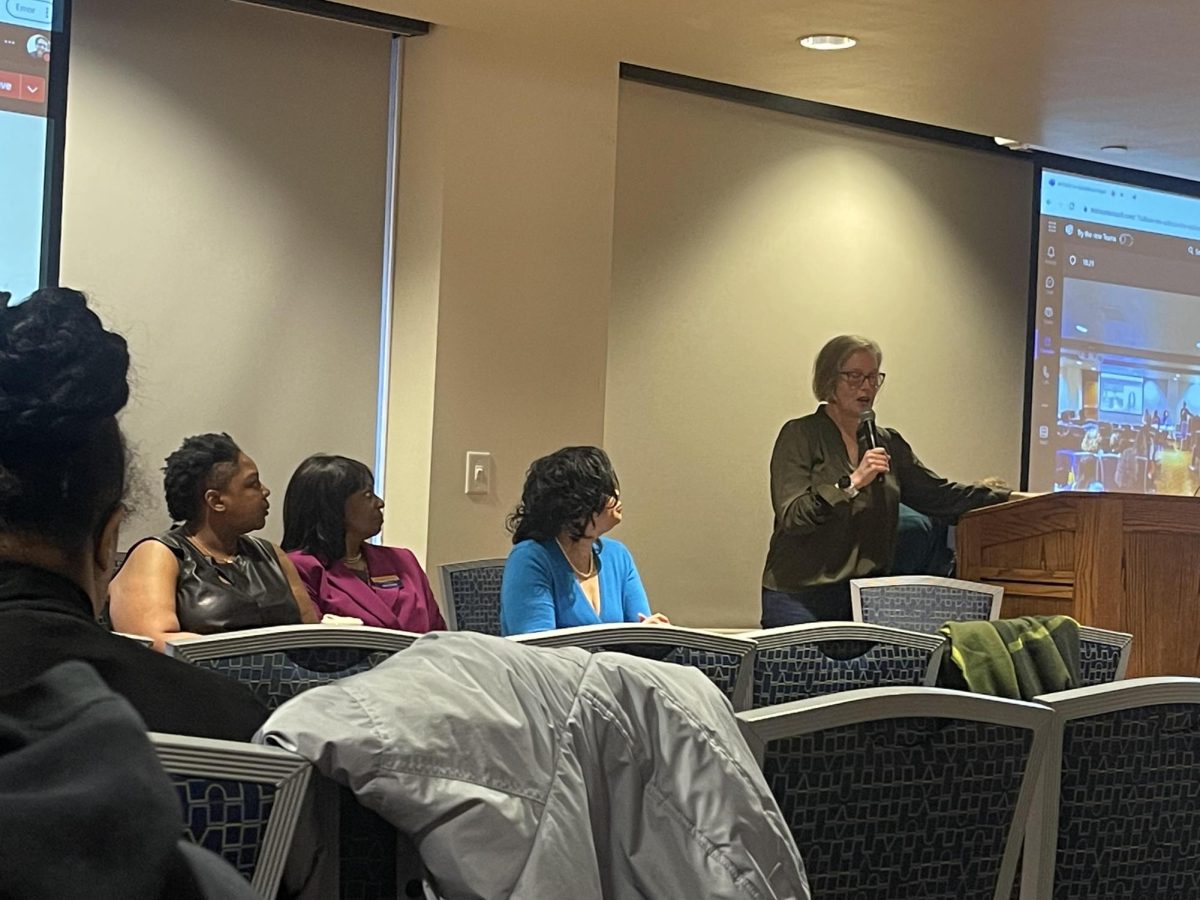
(397,597)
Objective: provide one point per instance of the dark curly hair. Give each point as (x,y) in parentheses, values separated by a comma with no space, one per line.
(563,490)
(63,379)
(202,463)
(314,505)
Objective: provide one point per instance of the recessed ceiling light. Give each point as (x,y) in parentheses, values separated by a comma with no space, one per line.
(827,42)
(1082,329)
(1114,148)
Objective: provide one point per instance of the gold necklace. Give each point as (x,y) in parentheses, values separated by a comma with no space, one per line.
(591,558)
(222,558)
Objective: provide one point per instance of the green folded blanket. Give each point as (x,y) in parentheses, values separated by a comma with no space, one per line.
(1014,658)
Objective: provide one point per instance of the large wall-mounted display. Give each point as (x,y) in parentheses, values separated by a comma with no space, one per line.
(32,105)
(1115,362)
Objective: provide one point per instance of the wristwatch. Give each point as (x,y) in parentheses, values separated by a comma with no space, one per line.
(846,487)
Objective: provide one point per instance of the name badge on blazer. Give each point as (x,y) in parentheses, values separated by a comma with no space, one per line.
(385,581)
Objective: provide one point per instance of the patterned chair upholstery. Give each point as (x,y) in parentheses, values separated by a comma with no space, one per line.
(471,592)
(922,602)
(1103,655)
(725,659)
(240,801)
(903,792)
(1117,812)
(277,664)
(800,661)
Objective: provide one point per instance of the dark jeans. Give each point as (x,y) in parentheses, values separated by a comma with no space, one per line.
(828,603)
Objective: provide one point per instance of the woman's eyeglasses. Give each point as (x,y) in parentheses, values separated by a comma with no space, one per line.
(856,379)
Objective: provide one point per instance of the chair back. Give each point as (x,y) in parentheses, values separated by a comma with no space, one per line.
(137,638)
(1117,812)
(922,602)
(471,592)
(240,801)
(903,792)
(279,662)
(1103,655)
(725,659)
(800,661)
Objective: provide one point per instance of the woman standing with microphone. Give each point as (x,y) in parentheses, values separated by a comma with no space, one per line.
(837,482)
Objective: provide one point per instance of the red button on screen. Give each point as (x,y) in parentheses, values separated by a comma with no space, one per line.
(33,88)
(10,84)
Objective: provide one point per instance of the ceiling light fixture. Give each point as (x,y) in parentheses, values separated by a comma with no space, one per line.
(1114,148)
(1082,329)
(827,42)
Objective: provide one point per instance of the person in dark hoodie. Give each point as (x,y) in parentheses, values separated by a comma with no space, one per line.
(86,809)
(63,379)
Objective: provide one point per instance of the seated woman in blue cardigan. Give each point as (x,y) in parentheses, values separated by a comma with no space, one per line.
(560,573)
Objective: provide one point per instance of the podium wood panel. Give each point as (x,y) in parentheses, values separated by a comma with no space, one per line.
(1126,562)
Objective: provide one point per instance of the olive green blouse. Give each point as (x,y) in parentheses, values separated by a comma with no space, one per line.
(821,535)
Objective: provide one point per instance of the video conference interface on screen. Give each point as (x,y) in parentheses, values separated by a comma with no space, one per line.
(1116,355)
(25,39)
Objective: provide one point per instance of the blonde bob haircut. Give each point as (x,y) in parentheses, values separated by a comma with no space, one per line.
(833,356)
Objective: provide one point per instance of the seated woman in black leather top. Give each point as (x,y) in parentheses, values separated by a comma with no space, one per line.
(208,575)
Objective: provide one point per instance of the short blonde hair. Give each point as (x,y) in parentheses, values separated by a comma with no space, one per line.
(833,356)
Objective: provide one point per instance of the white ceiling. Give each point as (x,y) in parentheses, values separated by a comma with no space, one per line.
(1066,75)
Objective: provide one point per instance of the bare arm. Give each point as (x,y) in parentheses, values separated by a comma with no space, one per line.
(309,614)
(142,596)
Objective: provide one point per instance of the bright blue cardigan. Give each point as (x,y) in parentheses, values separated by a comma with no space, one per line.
(539,591)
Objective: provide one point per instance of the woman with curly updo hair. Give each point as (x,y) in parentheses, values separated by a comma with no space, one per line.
(208,575)
(560,573)
(62,482)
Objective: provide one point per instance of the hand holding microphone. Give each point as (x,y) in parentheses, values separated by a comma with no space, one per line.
(875,460)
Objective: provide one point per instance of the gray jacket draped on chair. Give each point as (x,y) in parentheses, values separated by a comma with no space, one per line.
(530,773)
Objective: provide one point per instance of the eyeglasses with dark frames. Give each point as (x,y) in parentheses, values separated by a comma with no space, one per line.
(856,379)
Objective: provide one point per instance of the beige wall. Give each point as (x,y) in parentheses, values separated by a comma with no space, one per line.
(503,277)
(223,204)
(743,240)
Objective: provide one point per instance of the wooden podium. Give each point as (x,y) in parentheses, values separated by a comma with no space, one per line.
(1127,562)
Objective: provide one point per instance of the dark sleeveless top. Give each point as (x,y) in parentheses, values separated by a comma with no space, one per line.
(212,597)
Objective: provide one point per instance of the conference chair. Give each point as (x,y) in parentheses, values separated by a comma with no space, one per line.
(279,662)
(725,659)
(903,791)
(1103,655)
(800,661)
(471,592)
(1117,810)
(922,602)
(240,801)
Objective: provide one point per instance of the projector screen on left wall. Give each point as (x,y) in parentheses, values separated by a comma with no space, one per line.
(32,108)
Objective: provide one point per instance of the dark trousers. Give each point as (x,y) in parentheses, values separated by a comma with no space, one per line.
(827,603)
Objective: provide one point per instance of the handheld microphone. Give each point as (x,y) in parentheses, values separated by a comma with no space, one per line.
(866,426)
(867,429)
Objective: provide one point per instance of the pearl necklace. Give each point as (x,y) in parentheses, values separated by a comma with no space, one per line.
(582,575)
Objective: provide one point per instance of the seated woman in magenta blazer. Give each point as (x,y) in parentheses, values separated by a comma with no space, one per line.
(559,572)
(329,511)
